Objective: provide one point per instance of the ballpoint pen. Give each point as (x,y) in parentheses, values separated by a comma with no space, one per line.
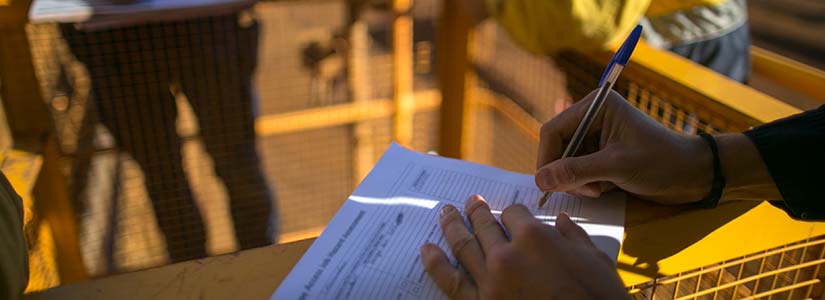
(614,68)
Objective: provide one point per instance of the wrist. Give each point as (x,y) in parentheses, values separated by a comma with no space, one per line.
(699,174)
(718,181)
(745,171)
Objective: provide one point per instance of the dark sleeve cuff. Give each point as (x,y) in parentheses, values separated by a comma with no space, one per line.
(794,152)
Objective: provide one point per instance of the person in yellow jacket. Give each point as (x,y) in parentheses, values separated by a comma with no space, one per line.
(713,33)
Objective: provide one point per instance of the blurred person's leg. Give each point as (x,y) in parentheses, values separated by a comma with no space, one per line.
(130,88)
(222,96)
(714,35)
(728,54)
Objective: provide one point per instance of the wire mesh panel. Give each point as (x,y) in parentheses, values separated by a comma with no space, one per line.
(157,120)
(206,135)
(676,107)
(312,170)
(506,118)
(158,123)
(788,272)
(161,98)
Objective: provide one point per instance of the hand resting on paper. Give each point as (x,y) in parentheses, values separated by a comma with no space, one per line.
(538,261)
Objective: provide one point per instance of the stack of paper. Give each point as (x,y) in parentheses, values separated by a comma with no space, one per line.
(370,248)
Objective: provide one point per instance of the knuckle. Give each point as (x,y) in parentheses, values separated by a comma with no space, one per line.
(505,214)
(460,245)
(500,260)
(534,229)
(567,172)
(531,230)
(484,225)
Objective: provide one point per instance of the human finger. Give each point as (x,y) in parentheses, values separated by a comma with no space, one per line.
(449,279)
(573,172)
(485,226)
(559,130)
(571,230)
(462,243)
(520,223)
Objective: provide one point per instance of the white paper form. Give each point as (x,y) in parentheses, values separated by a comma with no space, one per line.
(370,249)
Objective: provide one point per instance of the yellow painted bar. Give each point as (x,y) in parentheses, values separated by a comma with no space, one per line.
(514,113)
(811,282)
(789,73)
(402,67)
(714,91)
(363,156)
(339,114)
(454,80)
(52,201)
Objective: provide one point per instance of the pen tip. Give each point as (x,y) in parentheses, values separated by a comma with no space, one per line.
(543,199)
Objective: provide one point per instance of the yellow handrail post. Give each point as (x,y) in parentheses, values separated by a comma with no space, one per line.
(31,126)
(402,69)
(454,79)
(358,72)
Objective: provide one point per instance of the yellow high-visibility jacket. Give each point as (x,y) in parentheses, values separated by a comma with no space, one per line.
(545,26)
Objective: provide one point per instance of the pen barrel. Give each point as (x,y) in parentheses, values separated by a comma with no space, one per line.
(593,110)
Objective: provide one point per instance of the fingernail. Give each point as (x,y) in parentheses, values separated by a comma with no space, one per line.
(477,197)
(446,210)
(425,250)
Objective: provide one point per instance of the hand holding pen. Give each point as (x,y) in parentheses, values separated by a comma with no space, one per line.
(609,77)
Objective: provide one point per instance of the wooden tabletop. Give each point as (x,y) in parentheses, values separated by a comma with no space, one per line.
(658,241)
(250,274)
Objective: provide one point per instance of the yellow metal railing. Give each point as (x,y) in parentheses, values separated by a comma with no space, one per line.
(684,97)
(657,93)
(665,77)
(789,73)
(676,92)
(787,272)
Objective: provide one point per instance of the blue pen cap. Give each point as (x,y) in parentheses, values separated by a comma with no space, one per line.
(625,51)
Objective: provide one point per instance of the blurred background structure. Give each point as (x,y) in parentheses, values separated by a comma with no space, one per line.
(336,82)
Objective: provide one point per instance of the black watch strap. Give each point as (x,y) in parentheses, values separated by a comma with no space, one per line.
(718,184)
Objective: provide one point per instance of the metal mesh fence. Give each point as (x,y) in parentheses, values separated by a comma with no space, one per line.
(788,272)
(154,117)
(508,112)
(157,123)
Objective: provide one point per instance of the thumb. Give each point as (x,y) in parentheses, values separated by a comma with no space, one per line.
(574,172)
